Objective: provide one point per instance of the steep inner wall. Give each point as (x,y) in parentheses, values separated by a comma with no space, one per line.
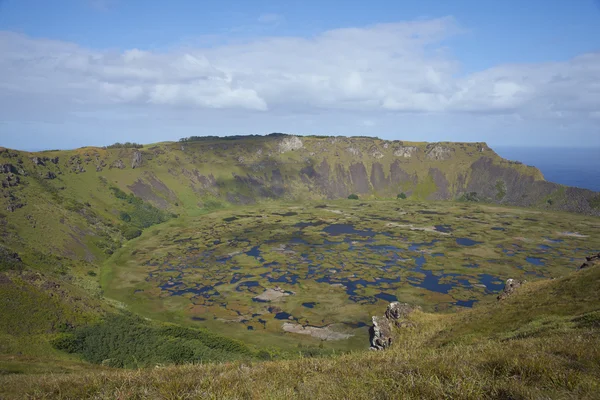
(70,195)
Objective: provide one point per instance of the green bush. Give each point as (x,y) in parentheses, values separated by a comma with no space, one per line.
(129,341)
(471,196)
(119,194)
(131,233)
(401,196)
(126,145)
(353,197)
(123,216)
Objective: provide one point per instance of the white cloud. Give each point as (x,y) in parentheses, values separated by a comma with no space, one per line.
(375,70)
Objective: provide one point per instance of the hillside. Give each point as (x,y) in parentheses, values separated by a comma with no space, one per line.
(117,257)
(542,342)
(79,197)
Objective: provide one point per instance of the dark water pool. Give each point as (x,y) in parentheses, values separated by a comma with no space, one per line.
(492,283)
(283,315)
(443,228)
(466,242)
(387,297)
(309,305)
(465,303)
(535,261)
(347,229)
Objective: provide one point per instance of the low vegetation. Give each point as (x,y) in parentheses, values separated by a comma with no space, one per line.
(124,340)
(126,145)
(507,350)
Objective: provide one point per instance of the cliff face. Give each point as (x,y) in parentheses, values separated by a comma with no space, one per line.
(246,170)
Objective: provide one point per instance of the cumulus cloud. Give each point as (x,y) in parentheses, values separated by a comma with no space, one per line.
(385,68)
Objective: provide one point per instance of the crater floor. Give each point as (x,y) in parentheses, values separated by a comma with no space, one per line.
(282,274)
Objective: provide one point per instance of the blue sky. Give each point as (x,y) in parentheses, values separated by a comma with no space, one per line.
(92,72)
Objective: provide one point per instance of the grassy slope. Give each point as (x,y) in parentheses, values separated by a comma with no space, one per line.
(544,342)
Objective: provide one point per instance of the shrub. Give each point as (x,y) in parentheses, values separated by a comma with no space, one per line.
(131,233)
(123,216)
(128,341)
(550,202)
(471,196)
(126,145)
(353,197)
(401,196)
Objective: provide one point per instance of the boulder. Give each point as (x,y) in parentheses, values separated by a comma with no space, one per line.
(509,288)
(382,328)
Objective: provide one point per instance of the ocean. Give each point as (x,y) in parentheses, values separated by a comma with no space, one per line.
(579,167)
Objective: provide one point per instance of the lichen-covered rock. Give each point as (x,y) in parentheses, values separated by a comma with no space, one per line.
(590,261)
(509,288)
(396,310)
(395,315)
(136,161)
(290,143)
(381,333)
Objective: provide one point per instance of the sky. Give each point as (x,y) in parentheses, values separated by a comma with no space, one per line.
(95,72)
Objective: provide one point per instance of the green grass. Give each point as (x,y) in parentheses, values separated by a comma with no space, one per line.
(560,361)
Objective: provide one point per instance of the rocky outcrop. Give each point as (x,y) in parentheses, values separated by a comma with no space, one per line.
(290,143)
(395,316)
(49,175)
(8,169)
(509,288)
(439,152)
(590,261)
(136,160)
(118,164)
(405,151)
(37,161)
